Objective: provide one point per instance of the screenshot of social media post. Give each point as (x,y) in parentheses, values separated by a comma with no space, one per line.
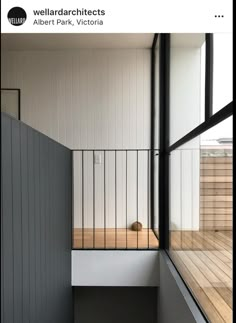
(117,161)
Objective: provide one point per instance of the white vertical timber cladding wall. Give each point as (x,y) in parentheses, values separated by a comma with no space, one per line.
(185,91)
(185,115)
(185,187)
(90,99)
(157,130)
(84,99)
(142,214)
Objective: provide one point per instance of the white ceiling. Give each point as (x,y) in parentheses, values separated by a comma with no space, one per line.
(187,40)
(74,41)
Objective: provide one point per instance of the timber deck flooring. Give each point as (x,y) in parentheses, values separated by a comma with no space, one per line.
(114,238)
(204,259)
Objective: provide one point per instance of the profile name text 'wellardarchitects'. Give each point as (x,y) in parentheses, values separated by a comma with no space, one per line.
(95,16)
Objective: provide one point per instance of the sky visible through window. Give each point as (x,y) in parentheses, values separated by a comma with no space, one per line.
(222,87)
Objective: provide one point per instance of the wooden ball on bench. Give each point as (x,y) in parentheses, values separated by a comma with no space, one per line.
(137,226)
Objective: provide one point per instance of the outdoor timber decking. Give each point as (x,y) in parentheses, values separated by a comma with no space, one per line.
(204,259)
(114,239)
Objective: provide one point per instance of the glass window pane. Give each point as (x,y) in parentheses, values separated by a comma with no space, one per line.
(187,83)
(156,197)
(157,139)
(201,218)
(222,70)
(157,94)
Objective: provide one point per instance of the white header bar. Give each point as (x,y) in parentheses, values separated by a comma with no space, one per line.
(119,268)
(103,16)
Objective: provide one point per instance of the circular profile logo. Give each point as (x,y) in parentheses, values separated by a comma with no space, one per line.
(16,16)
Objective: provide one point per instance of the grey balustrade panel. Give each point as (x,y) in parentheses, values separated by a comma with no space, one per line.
(36,226)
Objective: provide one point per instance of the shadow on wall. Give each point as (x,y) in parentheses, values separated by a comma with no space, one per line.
(115,304)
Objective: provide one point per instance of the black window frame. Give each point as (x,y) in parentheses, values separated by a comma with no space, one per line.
(164,123)
(211,119)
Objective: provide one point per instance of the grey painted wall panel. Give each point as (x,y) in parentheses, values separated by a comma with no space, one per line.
(7,242)
(17,227)
(31,201)
(36,227)
(42,183)
(25,223)
(174,301)
(2,280)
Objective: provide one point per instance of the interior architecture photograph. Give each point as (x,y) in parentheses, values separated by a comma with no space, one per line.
(116,178)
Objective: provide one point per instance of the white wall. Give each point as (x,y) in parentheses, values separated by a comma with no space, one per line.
(186,97)
(185,187)
(122,268)
(84,98)
(137,202)
(185,91)
(222,70)
(100,99)
(90,99)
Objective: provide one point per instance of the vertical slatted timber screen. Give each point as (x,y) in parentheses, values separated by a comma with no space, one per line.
(36,227)
(216,193)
